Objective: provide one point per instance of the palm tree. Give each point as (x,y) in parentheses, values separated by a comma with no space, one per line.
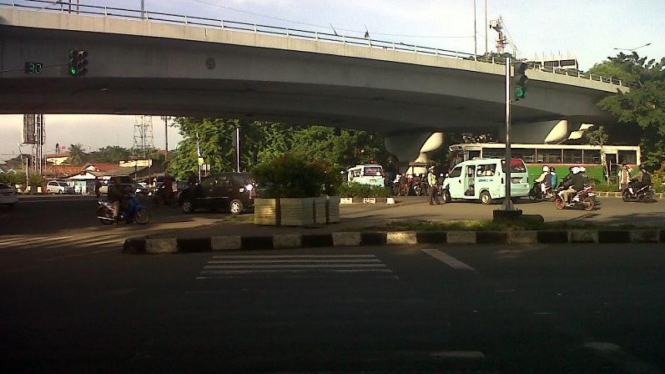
(76,155)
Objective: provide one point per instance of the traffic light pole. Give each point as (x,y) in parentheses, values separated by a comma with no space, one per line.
(507,202)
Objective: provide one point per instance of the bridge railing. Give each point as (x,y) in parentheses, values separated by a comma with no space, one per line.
(106,11)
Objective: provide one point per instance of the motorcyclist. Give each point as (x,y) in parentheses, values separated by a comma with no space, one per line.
(573,185)
(544,179)
(642,179)
(553,177)
(584,175)
(116,194)
(567,177)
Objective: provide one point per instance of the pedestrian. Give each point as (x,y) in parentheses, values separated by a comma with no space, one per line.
(98,186)
(431,179)
(624,176)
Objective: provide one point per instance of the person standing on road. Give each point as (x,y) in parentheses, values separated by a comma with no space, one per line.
(624,176)
(98,185)
(431,179)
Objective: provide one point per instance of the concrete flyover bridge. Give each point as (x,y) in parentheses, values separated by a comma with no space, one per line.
(163,64)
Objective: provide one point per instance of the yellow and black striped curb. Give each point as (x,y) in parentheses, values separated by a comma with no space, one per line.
(351,239)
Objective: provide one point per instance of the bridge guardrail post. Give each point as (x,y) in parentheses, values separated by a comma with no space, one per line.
(316,35)
(222,24)
(185,19)
(106,12)
(255,28)
(287,32)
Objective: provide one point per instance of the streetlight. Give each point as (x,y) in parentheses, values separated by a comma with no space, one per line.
(632,49)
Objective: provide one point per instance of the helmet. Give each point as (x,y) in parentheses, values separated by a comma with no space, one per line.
(643,167)
(552,170)
(582,169)
(431,168)
(575,170)
(546,169)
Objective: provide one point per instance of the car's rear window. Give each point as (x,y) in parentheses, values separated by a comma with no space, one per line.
(63,184)
(373,171)
(517,166)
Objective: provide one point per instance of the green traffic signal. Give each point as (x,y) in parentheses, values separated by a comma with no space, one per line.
(519,81)
(78,60)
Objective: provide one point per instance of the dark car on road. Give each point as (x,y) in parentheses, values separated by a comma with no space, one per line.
(234,192)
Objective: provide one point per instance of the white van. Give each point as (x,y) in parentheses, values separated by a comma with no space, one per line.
(484,180)
(370,174)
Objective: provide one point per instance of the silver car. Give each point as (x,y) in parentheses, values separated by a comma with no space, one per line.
(59,187)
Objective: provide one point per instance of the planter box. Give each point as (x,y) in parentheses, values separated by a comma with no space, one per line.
(297,212)
(332,209)
(320,209)
(266,212)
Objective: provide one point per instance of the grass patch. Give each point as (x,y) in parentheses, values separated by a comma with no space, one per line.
(490,225)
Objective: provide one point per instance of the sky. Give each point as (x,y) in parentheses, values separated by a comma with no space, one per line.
(589,30)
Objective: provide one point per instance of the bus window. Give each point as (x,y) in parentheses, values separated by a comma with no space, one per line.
(591,157)
(474,154)
(572,156)
(372,171)
(494,153)
(528,155)
(549,156)
(628,157)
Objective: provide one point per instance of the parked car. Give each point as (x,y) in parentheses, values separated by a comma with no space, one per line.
(226,191)
(8,196)
(59,187)
(125,181)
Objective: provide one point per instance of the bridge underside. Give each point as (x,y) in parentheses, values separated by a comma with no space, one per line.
(386,111)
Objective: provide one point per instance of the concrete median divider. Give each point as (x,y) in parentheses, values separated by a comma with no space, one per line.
(401,238)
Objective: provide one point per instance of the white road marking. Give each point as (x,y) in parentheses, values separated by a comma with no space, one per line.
(293,256)
(317,261)
(76,255)
(448,260)
(287,266)
(268,271)
(473,355)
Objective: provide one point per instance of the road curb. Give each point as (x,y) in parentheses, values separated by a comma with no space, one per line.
(355,239)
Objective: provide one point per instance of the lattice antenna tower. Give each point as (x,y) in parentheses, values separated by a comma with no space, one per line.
(143,139)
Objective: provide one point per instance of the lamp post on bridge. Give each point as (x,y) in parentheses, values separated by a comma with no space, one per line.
(632,49)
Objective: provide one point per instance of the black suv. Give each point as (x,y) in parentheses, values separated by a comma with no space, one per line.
(228,191)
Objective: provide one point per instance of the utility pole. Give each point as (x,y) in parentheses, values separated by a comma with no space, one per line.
(486,31)
(238,149)
(166,137)
(143,9)
(475,32)
(507,202)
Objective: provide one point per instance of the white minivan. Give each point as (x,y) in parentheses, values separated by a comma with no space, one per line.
(484,180)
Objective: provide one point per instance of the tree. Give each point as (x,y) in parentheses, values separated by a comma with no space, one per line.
(597,136)
(76,155)
(111,154)
(643,105)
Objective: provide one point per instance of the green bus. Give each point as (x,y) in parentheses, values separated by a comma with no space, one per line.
(601,163)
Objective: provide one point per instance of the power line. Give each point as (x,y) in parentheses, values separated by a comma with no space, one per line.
(326,27)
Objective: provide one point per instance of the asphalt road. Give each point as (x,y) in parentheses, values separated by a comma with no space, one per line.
(491,309)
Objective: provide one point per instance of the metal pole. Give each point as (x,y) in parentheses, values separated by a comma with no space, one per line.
(487,50)
(238,148)
(142,9)
(166,137)
(507,202)
(475,31)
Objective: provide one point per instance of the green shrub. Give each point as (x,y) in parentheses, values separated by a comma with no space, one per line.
(362,190)
(289,176)
(606,187)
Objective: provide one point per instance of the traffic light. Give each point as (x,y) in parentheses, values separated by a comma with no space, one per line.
(519,81)
(78,60)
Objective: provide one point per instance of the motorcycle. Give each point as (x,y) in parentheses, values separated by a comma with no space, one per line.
(161,198)
(135,212)
(645,194)
(536,193)
(585,199)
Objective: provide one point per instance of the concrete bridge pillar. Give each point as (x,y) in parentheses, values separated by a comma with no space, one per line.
(413,147)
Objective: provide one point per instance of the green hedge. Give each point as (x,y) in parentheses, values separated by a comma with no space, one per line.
(362,190)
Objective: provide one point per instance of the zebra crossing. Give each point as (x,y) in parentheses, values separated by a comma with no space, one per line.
(294,266)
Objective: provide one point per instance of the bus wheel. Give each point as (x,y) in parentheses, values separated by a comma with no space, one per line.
(485,198)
